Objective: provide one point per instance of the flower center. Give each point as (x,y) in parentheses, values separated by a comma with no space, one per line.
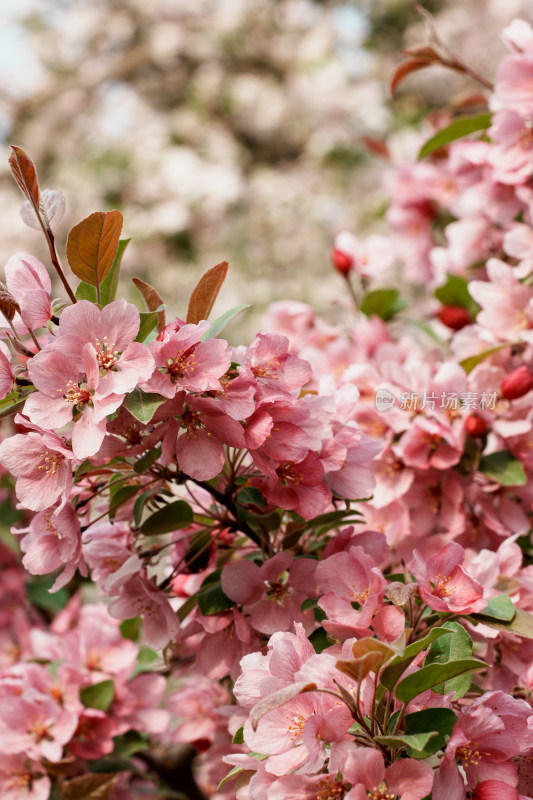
(329,789)
(439,587)
(192,420)
(182,364)
(296,725)
(268,370)
(51,461)
(287,474)
(470,755)
(105,355)
(75,394)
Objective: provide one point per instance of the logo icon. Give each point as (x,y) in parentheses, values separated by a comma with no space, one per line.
(385,400)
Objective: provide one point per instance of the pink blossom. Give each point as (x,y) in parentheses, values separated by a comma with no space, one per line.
(35,724)
(7,376)
(66,393)
(40,464)
(196,435)
(93,737)
(274,370)
(348,578)
(22,778)
(29,282)
(111,331)
(444,585)
(405,779)
(183,361)
(53,540)
(140,597)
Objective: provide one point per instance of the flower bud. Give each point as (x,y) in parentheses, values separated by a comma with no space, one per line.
(342,261)
(475,426)
(518,383)
(454,317)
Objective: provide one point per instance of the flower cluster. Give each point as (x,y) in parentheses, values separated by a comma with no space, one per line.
(320,648)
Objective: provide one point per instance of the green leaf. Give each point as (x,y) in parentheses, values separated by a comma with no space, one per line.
(130,628)
(129,743)
(440,720)
(148,323)
(143,405)
(463,126)
(121,497)
(212,600)
(99,695)
(319,640)
(234,771)
(470,362)
(108,289)
(499,607)
(395,668)
(111,764)
(38,591)
(198,551)
(84,291)
(415,741)
(452,648)
(139,506)
(167,519)
(252,496)
(503,468)
(8,407)
(239,736)
(521,624)
(434,674)
(455,293)
(221,322)
(149,458)
(185,609)
(384,303)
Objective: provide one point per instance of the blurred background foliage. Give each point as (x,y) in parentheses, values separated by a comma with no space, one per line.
(241,130)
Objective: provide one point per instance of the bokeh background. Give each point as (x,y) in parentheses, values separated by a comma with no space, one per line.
(241,130)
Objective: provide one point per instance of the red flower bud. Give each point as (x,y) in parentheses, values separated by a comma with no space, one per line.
(342,262)
(454,317)
(518,383)
(475,426)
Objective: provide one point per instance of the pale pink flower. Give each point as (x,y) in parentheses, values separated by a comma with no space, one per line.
(405,779)
(40,464)
(274,370)
(140,597)
(66,393)
(34,723)
(348,578)
(7,376)
(53,540)
(444,585)
(29,282)
(122,362)
(22,778)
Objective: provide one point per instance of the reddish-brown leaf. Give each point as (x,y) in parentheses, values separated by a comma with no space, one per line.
(406,68)
(92,246)
(25,174)
(376,146)
(206,292)
(153,300)
(88,787)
